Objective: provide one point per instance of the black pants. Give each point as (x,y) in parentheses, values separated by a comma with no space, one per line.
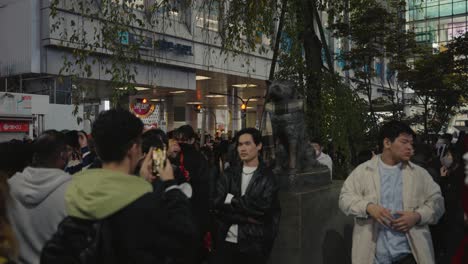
(408,259)
(228,253)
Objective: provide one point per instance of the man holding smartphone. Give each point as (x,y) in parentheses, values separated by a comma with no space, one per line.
(145,226)
(247,206)
(393,201)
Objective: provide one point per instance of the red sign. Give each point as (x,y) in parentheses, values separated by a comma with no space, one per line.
(14,126)
(141,109)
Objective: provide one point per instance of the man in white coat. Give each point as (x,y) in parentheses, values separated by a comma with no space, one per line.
(393,202)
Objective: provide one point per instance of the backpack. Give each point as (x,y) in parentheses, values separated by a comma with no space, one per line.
(79,241)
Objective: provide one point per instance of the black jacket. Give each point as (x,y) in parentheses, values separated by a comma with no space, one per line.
(257,213)
(153,229)
(199,178)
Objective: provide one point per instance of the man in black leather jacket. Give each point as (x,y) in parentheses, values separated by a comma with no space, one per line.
(246,206)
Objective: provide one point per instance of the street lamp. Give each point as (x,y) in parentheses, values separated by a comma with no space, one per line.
(244,105)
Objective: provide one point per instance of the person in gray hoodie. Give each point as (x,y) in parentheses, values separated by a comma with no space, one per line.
(37,203)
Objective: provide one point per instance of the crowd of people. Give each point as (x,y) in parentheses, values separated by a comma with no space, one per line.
(69,197)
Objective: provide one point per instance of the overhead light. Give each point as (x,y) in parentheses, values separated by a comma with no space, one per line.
(222,105)
(139,88)
(244,85)
(250,107)
(194,103)
(214,95)
(178,92)
(201,78)
(251,100)
(157,100)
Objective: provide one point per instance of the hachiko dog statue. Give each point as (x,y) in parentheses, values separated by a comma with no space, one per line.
(293,153)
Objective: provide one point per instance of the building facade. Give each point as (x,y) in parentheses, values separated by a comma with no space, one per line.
(182,62)
(437,22)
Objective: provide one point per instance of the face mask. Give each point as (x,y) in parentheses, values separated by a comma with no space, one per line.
(317,153)
(447,161)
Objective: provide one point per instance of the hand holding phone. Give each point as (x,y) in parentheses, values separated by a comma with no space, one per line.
(159,159)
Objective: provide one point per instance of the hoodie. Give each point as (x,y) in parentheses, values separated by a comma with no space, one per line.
(97,193)
(36,207)
(145,226)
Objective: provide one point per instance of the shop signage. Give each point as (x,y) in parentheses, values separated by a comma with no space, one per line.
(127,38)
(181,49)
(14,126)
(14,103)
(145,42)
(141,109)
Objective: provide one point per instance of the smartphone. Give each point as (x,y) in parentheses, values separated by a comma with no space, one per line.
(159,159)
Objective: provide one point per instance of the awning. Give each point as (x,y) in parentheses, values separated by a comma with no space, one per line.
(9,117)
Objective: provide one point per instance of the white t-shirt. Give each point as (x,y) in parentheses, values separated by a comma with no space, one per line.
(247,173)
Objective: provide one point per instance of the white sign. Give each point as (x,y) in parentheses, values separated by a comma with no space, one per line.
(13,103)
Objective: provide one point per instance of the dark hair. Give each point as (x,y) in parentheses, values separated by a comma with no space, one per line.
(316,140)
(48,147)
(170,134)
(71,138)
(15,155)
(114,132)
(423,153)
(393,129)
(447,137)
(456,154)
(185,132)
(153,138)
(255,133)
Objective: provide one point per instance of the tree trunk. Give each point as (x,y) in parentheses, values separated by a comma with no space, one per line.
(425,117)
(371,105)
(313,59)
(277,41)
(274,60)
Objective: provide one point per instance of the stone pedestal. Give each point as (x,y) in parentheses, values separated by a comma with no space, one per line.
(318,176)
(312,228)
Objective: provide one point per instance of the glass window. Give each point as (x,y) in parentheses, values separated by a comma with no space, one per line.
(432,3)
(460,19)
(419,13)
(457,31)
(446,10)
(412,4)
(443,35)
(413,15)
(208,14)
(434,36)
(432,11)
(459,7)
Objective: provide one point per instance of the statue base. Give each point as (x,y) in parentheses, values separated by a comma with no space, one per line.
(312,227)
(296,181)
